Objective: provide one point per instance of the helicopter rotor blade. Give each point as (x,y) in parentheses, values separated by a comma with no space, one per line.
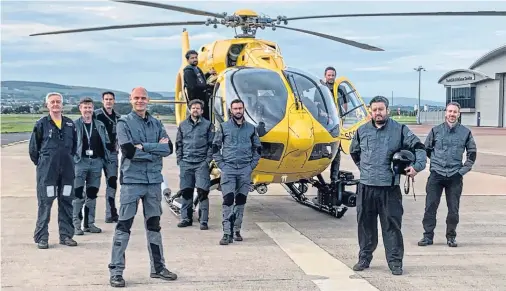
(173,8)
(335,38)
(449,13)
(111,27)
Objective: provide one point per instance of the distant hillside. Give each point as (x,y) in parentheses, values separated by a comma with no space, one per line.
(36,91)
(409,102)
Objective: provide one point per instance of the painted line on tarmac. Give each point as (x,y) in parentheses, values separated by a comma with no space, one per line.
(313,260)
(15,143)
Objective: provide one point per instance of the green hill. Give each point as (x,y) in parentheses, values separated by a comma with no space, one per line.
(36,91)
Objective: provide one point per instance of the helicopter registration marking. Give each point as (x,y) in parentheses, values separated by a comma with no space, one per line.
(283,179)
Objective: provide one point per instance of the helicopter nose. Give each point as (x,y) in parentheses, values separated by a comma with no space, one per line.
(301,136)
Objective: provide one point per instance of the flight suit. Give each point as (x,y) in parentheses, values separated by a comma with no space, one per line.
(445,148)
(51,150)
(110,169)
(196,85)
(194,153)
(379,193)
(88,171)
(140,179)
(236,151)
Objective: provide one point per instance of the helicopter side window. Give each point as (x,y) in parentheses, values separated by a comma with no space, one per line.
(218,103)
(352,109)
(264,95)
(317,99)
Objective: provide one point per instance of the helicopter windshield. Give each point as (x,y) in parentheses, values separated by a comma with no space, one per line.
(316,98)
(353,111)
(264,95)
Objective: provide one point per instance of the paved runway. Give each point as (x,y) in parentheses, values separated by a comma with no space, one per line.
(8,138)
(287,246)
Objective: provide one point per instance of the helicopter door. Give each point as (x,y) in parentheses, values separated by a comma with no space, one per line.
(352,110)
(217,104)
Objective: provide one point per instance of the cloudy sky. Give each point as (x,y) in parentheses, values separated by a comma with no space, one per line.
(123,59)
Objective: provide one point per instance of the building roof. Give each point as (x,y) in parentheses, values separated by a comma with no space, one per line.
(489,56)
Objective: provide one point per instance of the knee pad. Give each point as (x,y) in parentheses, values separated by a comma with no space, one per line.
(92,192)
(240,199)
(203,195)
(111,182)
(228,199)
(79,192)
(153,224)
(187,193)
(125,225)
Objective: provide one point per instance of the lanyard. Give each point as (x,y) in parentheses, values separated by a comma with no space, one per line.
(88,134)
(105,113)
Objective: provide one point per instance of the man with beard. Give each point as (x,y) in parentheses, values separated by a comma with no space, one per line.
(108,116)
(236,151)
(372,149)
(445,146)
(52,145)
(144,143)
(194,153)
(195,82)
(330,77)
(91,155)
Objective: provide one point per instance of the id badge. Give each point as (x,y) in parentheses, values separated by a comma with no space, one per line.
(89,153)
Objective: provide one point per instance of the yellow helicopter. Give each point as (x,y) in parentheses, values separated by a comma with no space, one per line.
(302,125)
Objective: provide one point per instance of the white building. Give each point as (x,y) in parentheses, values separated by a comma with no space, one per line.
(480,90)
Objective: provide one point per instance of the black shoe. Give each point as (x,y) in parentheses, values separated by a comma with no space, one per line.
(238,236)
(425,242)
(361,265)
(184,223)
(68,242)
(165,275)
(396,270)
(112,219)
(117,281)
(43,244)
(226,239)
(203,226)
(451,242)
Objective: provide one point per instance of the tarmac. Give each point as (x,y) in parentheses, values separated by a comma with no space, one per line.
(287,246)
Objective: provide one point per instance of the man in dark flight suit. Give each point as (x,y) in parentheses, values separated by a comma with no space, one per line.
(195,82)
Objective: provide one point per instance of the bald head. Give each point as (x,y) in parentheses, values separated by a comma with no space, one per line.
(139,99)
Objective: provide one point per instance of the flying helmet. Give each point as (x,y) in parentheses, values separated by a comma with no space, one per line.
(401,160)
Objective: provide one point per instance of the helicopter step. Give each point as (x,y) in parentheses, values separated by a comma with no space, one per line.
(331,198)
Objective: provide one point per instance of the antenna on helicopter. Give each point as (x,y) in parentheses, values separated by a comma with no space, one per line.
(249,21)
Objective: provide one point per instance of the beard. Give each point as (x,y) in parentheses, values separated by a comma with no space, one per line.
(382,121)
(237,116)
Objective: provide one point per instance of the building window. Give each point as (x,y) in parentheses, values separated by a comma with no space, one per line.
(465,96)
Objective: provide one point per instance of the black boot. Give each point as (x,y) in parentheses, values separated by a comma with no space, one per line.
(165,275)
(451,242)
(117,281)
(43,244)
(237,236)
(361,265)
(425,242)
(226,239)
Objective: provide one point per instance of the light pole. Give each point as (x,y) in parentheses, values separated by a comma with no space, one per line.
(419,69)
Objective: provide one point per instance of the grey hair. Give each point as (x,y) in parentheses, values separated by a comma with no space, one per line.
(54,94)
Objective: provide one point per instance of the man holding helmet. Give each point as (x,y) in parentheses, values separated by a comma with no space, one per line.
(373,149)
(445,146)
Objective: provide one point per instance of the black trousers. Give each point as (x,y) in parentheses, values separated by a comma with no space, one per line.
(453,190)
(385,202)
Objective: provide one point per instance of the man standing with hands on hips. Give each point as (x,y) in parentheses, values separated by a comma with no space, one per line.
(445,146)
(144,143)
(372,149)
(237,151)
(109,118)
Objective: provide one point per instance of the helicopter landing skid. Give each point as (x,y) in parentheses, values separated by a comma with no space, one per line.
(331,198)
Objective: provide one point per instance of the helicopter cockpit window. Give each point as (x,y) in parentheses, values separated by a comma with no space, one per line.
(352,110)
(264,95)
(316,98)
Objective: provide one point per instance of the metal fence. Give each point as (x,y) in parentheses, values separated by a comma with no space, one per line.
(432,117)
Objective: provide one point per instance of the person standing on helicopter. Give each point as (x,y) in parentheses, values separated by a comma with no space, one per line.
(196,83)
